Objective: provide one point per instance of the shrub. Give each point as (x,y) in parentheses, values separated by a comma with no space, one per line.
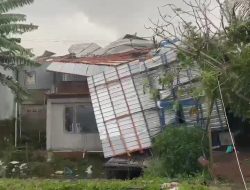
(177,150)
(40,169)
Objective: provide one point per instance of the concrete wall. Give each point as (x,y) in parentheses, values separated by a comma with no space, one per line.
(60,140)
(7,100)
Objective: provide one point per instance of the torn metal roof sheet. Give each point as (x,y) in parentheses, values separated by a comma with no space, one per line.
(115,59)
(110,60)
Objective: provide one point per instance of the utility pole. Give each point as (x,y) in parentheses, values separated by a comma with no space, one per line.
(16,112)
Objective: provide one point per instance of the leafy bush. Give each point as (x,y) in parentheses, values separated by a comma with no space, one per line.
(40,169)
(177,150)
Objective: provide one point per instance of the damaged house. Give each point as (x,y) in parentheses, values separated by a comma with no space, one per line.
(128,118)
(98,100)
(70,122)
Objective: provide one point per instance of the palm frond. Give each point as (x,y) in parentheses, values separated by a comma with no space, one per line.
(10,18)
(17,40)
(13,56)
(10,66)
(17,61)
(12,46)
(6,5)
(16,28)
(10,82)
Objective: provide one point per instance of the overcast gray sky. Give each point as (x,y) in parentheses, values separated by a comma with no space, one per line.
(65,22)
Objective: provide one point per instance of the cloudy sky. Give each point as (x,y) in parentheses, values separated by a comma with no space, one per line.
(65,22)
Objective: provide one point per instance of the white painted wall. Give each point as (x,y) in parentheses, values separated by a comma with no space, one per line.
(7,100)
(60,140)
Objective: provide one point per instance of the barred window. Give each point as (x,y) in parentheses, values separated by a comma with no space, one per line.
(80,119)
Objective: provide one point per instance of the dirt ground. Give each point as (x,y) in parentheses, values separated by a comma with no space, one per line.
(226,168)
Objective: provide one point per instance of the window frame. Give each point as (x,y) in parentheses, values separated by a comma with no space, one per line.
(75,122)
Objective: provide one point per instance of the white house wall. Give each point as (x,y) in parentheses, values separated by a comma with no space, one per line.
(60,140)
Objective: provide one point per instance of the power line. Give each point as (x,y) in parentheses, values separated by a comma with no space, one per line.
(231,136)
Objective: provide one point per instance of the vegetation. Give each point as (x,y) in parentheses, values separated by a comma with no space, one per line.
(176,152)
(13,56)
(217,44)
(214,39)
(24,164)
(93,185)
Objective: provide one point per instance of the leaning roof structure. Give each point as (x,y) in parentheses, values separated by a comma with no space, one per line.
(127,117)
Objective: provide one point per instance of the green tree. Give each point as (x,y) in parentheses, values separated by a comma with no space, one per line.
(217,44)
(215,39)
(13,56)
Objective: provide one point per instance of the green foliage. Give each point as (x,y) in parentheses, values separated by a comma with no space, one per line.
(13,56)
(81,185)
(221,51)
(147,88)
(40,169)
(167,80)
(225,58)
(177,150)
(239,32)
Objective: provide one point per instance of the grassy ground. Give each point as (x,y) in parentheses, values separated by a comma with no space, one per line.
(77,185)
(139,184)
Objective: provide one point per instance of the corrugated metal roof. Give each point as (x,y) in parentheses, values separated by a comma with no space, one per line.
(114,59)
(84,49)
(110,60)
(127,117)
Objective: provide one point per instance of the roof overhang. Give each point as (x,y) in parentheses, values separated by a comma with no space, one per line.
(77,68)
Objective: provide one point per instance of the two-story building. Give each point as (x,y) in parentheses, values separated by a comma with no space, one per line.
(59,106)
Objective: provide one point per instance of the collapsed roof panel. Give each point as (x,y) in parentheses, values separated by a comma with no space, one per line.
(128,118)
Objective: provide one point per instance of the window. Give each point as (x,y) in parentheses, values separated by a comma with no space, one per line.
(30,78)
(80,119)
(69,119)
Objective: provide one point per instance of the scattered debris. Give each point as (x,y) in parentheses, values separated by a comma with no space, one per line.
(14,162)
(170,186)
(59,172)
(89,171)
